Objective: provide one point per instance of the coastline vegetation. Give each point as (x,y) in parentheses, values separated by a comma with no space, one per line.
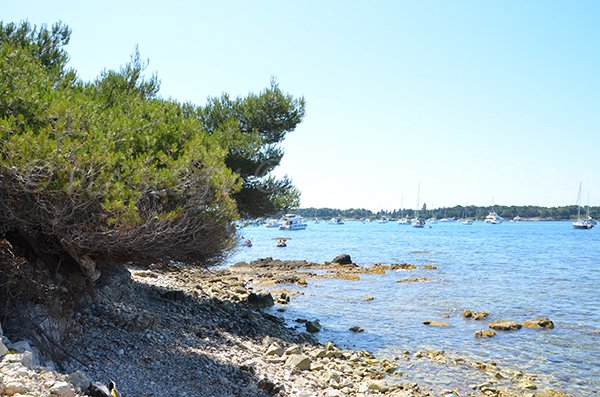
(94,174)
(473,212)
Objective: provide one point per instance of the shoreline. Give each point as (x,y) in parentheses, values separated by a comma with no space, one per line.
(198,332)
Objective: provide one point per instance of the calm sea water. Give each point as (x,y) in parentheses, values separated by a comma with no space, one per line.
(515,271)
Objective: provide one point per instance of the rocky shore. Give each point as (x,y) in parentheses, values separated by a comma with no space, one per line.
(196,332)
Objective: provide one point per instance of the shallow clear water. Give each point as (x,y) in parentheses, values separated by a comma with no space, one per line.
(515,271)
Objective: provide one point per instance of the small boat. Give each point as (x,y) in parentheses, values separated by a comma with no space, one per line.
(403,221)
(581,223)
(383,219)
(282,241)
(336,221)
(272,223)
(248,243)
(292,222)
(493,218)
(418,222)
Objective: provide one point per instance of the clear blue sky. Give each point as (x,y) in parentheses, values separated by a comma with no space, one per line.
(480,102)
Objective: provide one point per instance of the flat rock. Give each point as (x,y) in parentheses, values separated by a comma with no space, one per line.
(541,322)
(62,389)
(435,323)
(299,361)
(506,325)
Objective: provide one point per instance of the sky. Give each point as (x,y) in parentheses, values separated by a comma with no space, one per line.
(408,102)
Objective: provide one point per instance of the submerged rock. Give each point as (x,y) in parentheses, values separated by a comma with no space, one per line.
(506,325)
(435,323)
(356,329)
(542,322)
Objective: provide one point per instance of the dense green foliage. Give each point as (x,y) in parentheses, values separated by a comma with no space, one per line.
(457,212)
(261,123)
(107,170)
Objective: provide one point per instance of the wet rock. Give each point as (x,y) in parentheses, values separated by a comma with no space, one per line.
(367,298)
(356,329)
(467,313)
(342,259)
(260,299)
(299,361)
(506,325)
(435,323)
(485,333)
(480,315)
(403,266)
(430,267)
(313,326)
(414,280)
(542,322)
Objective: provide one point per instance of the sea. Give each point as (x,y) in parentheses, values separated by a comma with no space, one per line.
(514,270)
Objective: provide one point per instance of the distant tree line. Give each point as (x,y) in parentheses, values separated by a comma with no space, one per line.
(473,212)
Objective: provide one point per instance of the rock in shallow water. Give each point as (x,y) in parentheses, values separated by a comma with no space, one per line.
(542,322)
(342,259)
(506,325)
(485,333)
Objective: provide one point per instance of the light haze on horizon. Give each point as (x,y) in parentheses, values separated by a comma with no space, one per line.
(480,102)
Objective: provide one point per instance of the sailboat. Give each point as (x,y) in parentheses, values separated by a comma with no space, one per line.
(403,220)
(580,223)
(465,220)
(420,223)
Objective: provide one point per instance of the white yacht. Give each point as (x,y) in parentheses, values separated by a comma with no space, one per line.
(493,218)
(582,223)
(336,221)
(292,222)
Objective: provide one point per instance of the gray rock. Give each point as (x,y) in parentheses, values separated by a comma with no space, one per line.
(62,389)
(3,349)
(274,350)
(21,346)
(313,326)
(260,299)
(342,259)
(356,329)
(299,361)
(79,380)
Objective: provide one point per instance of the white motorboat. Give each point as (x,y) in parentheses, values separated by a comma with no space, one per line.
(493,218)
(336,221)
(292,222)
(272,223)
(417,222)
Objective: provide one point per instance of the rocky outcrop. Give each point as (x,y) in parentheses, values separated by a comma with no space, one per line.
(506,325)
(485,333)
(435,323)
(542,322)
(260,299)
(342,259)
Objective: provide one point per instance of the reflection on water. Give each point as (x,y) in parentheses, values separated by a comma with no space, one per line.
(514,271)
